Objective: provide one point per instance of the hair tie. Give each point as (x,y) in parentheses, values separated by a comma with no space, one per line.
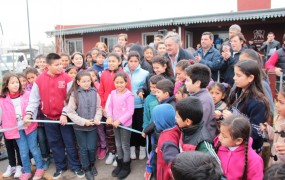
(226,85)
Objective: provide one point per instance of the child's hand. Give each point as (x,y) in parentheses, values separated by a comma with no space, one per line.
(116,123)
(218,114)
(109,121)
(88,123)
(143,135)
(96,122)
(280,148)
(63,120)
(262,126)
(141,95)
(227,113)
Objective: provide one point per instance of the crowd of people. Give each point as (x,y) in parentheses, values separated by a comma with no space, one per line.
(206,114)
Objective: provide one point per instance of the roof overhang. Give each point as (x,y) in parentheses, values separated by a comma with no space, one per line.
(211,18)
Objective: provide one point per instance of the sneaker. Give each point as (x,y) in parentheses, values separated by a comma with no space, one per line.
(18,172)
(94,171)
(38,174)
(80,173)
(110,158)
(9,171)
(133,152)
(142,153)
(102,154)
(57,174)
(25,176)
(89,175)
(115,163)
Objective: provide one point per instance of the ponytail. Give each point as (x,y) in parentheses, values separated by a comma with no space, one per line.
(244,176)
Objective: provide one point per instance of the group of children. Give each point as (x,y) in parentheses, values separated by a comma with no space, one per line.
(177,113)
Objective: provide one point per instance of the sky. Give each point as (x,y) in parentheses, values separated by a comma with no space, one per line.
(45,14)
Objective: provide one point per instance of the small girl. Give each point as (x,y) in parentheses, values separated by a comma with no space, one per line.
(180,73)
(84,108)
(120,112)
(248,98)
(219,93)
(71,71)
(161,66)
(181,93)
(23,81)
(161,48)
(148,53)
(120,50)
(13,101)
(274,133)
(77,60)
(106,87)
(233,146)
(41,63)
(94,76)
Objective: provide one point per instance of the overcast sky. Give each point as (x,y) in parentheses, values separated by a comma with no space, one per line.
(45,14)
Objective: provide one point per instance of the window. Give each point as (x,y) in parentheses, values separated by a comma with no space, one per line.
(188,39)
(74,45)
(110,41)
(148,38)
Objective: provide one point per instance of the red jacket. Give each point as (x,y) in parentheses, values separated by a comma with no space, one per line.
(9,119)
(107,85)
(52,92)
(167,149)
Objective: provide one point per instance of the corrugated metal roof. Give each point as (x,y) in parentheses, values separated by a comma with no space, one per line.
(222,17)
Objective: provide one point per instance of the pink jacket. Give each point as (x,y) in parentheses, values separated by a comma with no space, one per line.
(121,107)
(233,162)
(8,116)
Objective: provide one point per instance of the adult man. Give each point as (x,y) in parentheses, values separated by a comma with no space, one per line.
(270,46)
(174,52)
(208,55)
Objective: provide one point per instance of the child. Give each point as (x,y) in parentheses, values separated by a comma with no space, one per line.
(88,58)
(41,63)
(52,100)
(233,146)
(161,48)
(180,73)
(32,74)
(13,103)
(120,50)
(148,53)
(273,133)
(98,66)
(195,137)
(168,142)
(160,67)
(94,77)
(77,60)
(148,125)
(247,98)
(65,60)
(94,53)
(23,81)
(84,108)
(71,71)
(120,112)
(138,77)
(164,92)
(105,89)
(181,93)
(143,62)
(197,79)
(275,172)
(122,39)
(195,165)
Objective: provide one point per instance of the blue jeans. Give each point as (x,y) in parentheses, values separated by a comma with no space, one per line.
(86,141)
(28,143)
(123,138)
(61,138)
(43,144)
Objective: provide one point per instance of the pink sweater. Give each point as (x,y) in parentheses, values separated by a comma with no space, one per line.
(121,107)
(233,162)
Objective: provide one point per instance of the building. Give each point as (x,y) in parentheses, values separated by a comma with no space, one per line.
(255,25)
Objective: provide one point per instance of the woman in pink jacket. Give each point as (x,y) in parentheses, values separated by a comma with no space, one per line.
(234,148)
(13,103)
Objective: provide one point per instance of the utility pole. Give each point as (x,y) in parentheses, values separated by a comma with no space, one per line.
(30,45)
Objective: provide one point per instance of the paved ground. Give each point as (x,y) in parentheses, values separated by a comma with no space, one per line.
(104,171)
